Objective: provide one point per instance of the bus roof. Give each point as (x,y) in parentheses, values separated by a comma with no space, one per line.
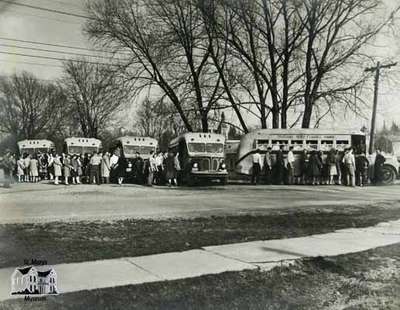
(304,131)
(138,140)
(199,137)
(82,141)
(35,143)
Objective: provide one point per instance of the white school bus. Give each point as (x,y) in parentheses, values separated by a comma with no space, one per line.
(81,145)
(131,145)
(201,156)
(33,146)
(307,139)
(231,150)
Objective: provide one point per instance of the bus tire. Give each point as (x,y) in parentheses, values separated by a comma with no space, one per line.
(388,174)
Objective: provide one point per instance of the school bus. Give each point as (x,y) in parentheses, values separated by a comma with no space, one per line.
(201,156)
(309,139)
(33,146)
(130,145)
(80,145)
(231,150)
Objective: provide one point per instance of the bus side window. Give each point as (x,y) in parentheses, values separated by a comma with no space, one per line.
(312,144)
(342,144)
(277,144)
(326,145)
(297,144)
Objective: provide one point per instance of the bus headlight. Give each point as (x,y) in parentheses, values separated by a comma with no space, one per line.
(223,166)
(195,167)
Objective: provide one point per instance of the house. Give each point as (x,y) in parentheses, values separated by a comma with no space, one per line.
(47,283)
(24,280)
(29,280)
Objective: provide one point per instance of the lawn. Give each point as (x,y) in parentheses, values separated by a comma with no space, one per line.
(367,280)
(60,242)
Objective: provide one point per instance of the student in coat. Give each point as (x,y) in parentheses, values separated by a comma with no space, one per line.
(75,169)
(95,162)
(20,169)
(255,175)
(67,168)
(350,164)
(315,166)
(43,166)
(105,168)
(34,169)
(279,167)
(178,169)
(57,165)
(379,161)
(290,165)
(268,166)
(120,168)
(331,163)
(113,166)
(27,160)
(362,166)
(171,173)
(50,168)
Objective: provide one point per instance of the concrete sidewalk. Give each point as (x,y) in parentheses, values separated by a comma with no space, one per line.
(211,260)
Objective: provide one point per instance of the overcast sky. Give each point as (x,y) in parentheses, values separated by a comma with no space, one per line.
(24,23)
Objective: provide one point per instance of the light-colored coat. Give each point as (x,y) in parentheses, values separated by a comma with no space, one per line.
(105,166)
(57,167)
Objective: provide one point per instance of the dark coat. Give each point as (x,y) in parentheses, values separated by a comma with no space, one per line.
(315,165)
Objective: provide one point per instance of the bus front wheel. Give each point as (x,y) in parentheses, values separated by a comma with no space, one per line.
(388,175)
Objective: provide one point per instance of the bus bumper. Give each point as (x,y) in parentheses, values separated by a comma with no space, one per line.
(209,174)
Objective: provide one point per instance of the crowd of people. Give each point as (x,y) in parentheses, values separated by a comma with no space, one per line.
(313,168)
(92,168)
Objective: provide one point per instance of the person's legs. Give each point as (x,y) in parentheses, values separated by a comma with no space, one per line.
(56,180)
(353,178)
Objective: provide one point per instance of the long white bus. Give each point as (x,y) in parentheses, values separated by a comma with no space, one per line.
(131,145)
(33,146)
(201,156)
(308,139)
(81,145)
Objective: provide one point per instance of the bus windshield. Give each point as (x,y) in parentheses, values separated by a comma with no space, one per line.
(131,149)
(146,149)
(215,148)
(90,149)
(206,147)
(75,149)
(197,147)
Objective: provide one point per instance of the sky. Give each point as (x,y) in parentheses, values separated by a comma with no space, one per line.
(23,23)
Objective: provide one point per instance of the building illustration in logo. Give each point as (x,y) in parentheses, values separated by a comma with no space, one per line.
(30,280)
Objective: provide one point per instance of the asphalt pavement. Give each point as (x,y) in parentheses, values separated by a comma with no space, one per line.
(47,202)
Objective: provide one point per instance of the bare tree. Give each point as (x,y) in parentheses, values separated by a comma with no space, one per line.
(167,46)
(336,31)
(298,53)
(95,93)
(30,108)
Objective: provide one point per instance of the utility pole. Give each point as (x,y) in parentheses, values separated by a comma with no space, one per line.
(377,70)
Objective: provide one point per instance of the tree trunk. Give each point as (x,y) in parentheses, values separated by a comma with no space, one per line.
(275,117)
(308,106)
(204,122)
(283,118)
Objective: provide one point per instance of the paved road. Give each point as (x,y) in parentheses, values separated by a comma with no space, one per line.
(47,202)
